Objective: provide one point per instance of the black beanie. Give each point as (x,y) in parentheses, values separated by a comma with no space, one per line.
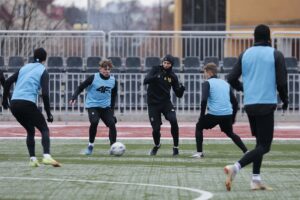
(262,33)
(169,58)
(40,55)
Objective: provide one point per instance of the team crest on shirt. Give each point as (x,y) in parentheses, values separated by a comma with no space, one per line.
(168,79)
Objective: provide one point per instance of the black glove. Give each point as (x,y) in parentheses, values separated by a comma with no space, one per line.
(285,105)
(161,74)
(5,104)
(50,118)
(182,87)
(115,119)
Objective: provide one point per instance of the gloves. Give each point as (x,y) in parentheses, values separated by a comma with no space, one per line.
(161,74)
(182,88)
(285,105)
(5,104)
(115,119)
(50,118)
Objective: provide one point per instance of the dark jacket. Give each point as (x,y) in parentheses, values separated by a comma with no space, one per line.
(160,82)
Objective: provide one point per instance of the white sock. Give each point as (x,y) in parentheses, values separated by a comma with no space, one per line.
(46,155)
(256,177)
(33,158)
(91,144)
(176,147)
(237,167)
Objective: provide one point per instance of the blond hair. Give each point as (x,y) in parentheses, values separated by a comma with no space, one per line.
(212,67)
(106,63)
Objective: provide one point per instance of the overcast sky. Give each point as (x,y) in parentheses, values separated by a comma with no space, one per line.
(83,3)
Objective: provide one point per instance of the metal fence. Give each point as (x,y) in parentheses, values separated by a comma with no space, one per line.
(132,98)
(182,44)
(141,44)
(57,43)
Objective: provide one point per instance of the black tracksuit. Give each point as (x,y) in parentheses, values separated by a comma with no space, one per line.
(261,116)
(160,82)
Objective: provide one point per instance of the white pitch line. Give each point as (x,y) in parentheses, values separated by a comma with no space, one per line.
(204,195)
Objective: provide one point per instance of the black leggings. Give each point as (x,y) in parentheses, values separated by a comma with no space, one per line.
(29,116)
(262,127)
(106,115)
(225,122)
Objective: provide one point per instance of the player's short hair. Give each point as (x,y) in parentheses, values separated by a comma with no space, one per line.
(39,55)
(106,63)
(212,67)
(262,33)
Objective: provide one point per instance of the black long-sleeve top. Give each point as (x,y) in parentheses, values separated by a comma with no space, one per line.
(281,82)
(205,94)
(89,81)
(44,85)
(160,82)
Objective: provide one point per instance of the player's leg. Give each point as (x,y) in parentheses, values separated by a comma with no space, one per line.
(155,120)
(262,127)
(264,137)
(225,124)
(170,115)
(94,121)
(207,122)
(106,115)
(22,113)
(38,120)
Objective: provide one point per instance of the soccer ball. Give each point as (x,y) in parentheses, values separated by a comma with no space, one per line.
(117,149)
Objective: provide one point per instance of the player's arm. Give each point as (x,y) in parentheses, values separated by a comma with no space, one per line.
(81,87)
(281,78)
(45,95)
(205,94)
(234,75)
(178,88)
(114,93)
(152,75)
(234,104)
(6,91)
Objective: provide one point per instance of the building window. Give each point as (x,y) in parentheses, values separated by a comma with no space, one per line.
(203,15)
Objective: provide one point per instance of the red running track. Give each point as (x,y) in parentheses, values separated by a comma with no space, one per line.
(141,130)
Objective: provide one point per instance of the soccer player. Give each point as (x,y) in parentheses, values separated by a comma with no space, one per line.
(100,102)
(222,108)
(263,70)
(29,79)
(160,80)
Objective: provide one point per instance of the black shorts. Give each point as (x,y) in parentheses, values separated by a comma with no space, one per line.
(28,115)
(155,111)
(105,114)
(209,121)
